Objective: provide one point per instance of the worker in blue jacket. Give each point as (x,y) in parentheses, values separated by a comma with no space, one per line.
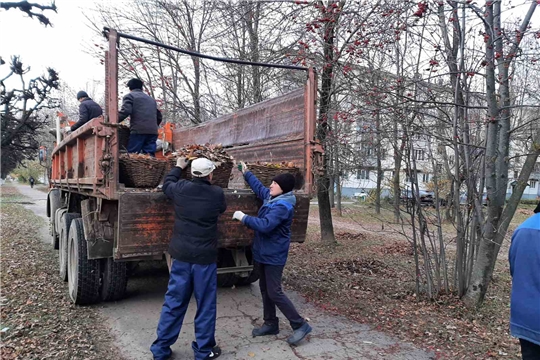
(524,257)
(197,207)
(272,228)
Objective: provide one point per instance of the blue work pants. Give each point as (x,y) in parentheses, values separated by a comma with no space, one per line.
(186,279)
(142,143)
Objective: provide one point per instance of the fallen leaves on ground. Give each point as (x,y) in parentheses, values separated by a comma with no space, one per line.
(38,320)
(370,278)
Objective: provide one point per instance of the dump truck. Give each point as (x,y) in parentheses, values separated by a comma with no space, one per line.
(99,226)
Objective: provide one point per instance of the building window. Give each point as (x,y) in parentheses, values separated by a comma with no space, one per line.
(516,174)
(419,154)
(532,184)
(362,174)
(425,177)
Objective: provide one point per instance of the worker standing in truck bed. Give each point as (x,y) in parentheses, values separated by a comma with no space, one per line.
(88,110)
(145,118)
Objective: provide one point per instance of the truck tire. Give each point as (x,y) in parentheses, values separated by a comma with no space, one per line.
(55,202)
(114,279)
(225,259)
(65,224)
(83,274)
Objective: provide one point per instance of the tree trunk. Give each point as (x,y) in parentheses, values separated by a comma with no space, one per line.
(325,213)
(379,165)
(497,143)
(488,250)
(252,21)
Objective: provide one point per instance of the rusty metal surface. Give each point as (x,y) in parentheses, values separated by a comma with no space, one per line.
(270,131)
(271,119)
(146,220)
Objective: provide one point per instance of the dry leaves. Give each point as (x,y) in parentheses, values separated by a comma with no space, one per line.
(370,278)
(281,165)
(38,320)
(212,152)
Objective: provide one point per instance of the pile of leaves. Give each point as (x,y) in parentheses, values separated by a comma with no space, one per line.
(281,165)
(212,152)
(370,278)
(38,320)
(138,156)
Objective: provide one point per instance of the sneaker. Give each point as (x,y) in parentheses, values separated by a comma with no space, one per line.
(266,330)
(299,334)
(214,354)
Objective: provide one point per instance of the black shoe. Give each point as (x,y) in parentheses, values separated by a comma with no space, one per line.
(214,354)
(266,330)
(299,334)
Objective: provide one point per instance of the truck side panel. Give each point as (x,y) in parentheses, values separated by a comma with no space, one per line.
(271,131)
(146,221)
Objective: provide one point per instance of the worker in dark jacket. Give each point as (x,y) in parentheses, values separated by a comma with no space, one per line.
(88,110)
(272,228)
(144,119)
(524,257)
(193,247)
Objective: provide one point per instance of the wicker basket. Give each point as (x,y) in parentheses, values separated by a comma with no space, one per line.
(266,173)
(123,137)
(141,172)
(220,177)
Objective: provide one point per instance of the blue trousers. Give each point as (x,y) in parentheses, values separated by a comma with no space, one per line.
(142,143)
(186,279)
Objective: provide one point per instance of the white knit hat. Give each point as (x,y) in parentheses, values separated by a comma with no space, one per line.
(202,167)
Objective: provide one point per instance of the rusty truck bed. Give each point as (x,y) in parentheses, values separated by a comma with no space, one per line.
(132,223)
(146,222)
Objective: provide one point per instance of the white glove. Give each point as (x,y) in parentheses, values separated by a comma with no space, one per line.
(242,167)
(182,162)
(238,215)
(67,129)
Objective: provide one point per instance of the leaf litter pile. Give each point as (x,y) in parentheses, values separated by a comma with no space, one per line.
(213,152)
(370,278)
(38,320)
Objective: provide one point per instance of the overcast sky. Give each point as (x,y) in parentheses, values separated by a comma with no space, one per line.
(60,47)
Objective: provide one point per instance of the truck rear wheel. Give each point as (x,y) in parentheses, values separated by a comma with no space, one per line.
(225,259)
(83,274)
(114,279)
(65,224)
(55,202)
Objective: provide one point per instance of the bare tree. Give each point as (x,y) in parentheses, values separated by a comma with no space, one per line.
(20,112)
(501,51)
(28,8)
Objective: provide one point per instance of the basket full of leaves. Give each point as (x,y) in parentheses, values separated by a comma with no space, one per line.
(215,153)
(141,171)
(265,172)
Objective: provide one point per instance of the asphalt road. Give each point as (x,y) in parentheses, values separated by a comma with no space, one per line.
(133,320)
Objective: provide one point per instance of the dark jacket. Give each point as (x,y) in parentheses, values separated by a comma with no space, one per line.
(88,110)
(272,225)
(143,112)
(524,257)
(197,206)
